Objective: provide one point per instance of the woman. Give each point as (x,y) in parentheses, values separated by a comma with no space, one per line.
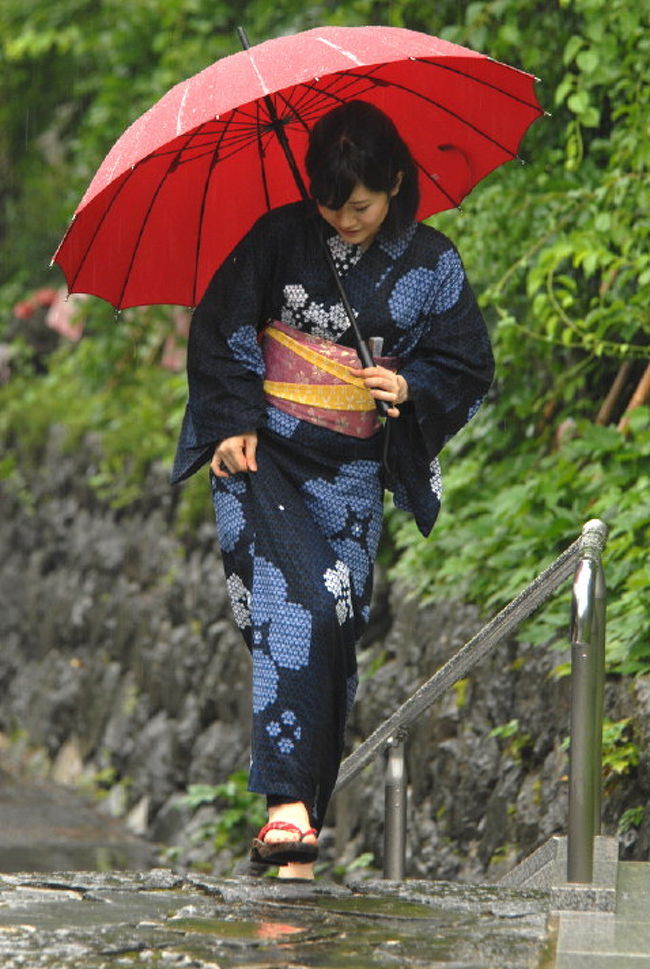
(282,409)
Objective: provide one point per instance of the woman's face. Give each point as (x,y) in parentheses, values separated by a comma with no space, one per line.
(359,219)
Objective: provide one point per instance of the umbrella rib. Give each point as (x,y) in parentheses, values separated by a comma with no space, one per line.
(240,140)
(344,83)
(308,98)
(199,235)
(142,228)
(295,109)
(260,155)
(479,80)
(311,95)
(200,147)
(98,227)
(448,111)
(342,90)
(439,185)
(209,150)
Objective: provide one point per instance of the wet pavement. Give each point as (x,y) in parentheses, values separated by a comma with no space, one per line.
(45,827)
(91,898)
(159,918)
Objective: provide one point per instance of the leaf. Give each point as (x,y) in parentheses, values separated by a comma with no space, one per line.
(564,89)
(578,102)
(571,48)
(588,60)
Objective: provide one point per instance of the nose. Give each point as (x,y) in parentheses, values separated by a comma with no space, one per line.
(346,221)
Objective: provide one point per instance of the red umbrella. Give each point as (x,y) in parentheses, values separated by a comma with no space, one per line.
(187,180)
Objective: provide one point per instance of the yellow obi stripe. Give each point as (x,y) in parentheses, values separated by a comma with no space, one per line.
(353,395)
(328,396)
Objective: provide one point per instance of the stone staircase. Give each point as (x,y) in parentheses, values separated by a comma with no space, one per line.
(604,925)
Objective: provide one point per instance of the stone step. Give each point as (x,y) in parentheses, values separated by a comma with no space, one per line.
(78,920)
(610,940)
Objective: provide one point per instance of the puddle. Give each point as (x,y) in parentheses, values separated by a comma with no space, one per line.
(372,907)
(233,928)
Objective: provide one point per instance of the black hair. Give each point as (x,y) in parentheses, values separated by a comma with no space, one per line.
(357,143)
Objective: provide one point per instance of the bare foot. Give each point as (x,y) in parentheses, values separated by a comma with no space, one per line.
(296,813)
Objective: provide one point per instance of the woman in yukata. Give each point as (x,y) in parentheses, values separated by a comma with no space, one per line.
(280,407)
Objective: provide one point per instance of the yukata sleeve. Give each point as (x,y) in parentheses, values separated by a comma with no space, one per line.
(452,366)
(225,368)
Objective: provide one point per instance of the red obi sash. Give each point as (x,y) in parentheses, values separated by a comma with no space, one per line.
(310,378)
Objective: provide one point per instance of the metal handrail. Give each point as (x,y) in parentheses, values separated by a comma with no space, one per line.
(583,559)
(587,691)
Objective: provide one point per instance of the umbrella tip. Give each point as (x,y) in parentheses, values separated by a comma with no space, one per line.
(243,38)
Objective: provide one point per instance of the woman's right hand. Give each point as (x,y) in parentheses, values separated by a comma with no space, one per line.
(235,454)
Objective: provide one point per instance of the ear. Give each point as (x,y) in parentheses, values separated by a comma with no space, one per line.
(397,184)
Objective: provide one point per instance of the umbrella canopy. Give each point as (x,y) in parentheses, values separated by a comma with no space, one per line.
(188,179)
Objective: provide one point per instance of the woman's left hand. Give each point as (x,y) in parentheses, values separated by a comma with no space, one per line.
(385,385)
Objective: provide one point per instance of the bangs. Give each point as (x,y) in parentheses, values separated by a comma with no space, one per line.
(334,182)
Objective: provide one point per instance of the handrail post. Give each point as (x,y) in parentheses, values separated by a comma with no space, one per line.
(395,809)
(600,603)
(587,685)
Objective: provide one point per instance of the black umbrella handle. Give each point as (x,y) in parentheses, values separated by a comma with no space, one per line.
(362,347)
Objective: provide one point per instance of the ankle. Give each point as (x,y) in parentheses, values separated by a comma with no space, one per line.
(294,812)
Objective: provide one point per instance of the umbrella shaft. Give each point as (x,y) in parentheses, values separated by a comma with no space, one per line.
(364,353)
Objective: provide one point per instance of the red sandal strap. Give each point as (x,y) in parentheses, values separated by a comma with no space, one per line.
(285,826)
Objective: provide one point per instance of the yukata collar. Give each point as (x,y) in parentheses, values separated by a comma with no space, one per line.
(393,245)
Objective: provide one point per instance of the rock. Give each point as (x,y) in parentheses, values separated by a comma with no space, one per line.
(68,766)
(137,820)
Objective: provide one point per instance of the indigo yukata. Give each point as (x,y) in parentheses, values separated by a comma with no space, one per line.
(299,537)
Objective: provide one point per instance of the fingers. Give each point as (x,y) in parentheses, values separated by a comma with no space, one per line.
(234,455)
(384,385)
(250,450)
(218,469)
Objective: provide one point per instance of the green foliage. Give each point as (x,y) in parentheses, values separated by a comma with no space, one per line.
(566,279)
(632,818)
(620,753)
(496,535)
(506,730)
(363,861)
(109,386)
(239,811)
(517,740)
(461,690)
